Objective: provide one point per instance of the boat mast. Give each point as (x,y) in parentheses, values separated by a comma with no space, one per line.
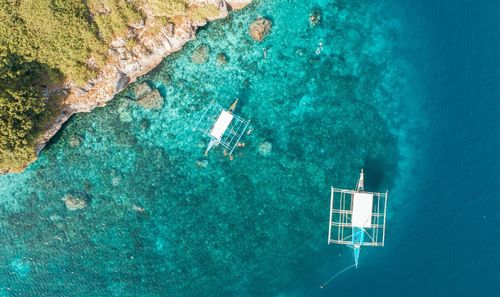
(361,182)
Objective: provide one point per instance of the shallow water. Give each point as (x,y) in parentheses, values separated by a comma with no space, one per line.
(163,220)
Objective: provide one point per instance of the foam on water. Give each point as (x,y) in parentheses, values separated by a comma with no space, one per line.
(163,220)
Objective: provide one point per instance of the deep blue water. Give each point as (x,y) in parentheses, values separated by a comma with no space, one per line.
(462,215)
(405,89)
(451,247)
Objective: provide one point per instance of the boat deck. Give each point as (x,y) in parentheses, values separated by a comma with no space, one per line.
(343,219)
(230,137)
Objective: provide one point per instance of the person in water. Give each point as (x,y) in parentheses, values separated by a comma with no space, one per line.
(314,18)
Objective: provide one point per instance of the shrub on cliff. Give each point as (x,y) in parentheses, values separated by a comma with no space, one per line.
(55,33)
(202,13)
(22,108)
(166,8)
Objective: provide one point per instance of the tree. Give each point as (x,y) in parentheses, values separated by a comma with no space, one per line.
(22,108)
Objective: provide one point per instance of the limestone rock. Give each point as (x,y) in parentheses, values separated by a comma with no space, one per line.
(119,42)
(260,28)
(238,4)
(200,54)
(170,29)
(122,82)
(139,25)
(153,100)
(76,200)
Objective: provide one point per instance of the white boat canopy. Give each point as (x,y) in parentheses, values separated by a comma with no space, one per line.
(362,205)
(221,125)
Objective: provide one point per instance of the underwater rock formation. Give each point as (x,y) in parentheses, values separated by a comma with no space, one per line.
(265,148)
(142,90)
(200,54)
(221,59)
(76,200)
(259,29)
(153,100)
(203,163)
(75,141)
(20,267)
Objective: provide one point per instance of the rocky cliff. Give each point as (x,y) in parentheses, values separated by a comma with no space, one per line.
(127,63)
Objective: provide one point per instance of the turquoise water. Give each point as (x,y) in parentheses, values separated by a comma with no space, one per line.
(163,220)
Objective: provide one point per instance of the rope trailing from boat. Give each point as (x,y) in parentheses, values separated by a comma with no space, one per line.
(337,274)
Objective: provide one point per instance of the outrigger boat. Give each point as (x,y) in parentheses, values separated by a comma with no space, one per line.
(222,126)
(357,217)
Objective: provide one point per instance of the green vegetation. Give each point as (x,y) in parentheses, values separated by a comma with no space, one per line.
(113,17)
(56,33)
(44,43)
(202,13)
(166,8)
(22,108)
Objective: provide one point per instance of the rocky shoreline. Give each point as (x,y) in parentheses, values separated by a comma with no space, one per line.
(128,64)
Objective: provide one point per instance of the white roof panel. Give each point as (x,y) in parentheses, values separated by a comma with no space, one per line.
(221,125)
(362,210)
